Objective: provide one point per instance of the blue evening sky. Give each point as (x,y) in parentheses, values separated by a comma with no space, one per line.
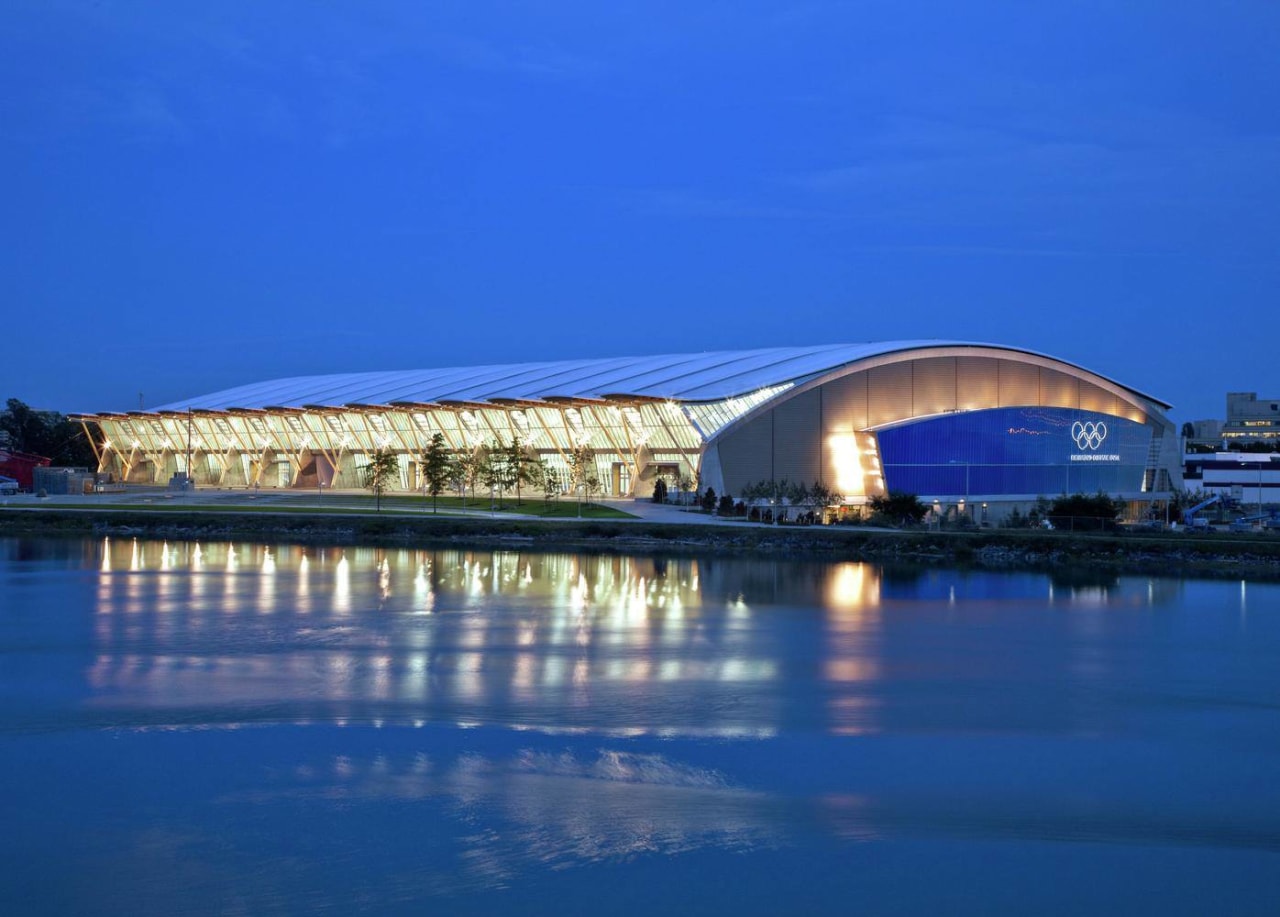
(200,195)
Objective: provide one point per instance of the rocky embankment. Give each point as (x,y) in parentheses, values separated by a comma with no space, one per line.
(1256,556)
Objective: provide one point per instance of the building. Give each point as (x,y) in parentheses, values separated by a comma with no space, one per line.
(1246,479)
(950,421)
(1206,434)
(21,466)
(1250,420)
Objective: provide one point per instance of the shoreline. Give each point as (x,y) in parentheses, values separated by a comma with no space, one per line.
(1222,556)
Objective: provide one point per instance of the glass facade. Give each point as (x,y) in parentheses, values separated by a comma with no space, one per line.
(1016,451)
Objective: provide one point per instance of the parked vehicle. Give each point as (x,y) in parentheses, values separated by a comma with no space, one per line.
(8,486)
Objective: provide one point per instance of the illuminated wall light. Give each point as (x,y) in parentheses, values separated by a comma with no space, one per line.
(846,462)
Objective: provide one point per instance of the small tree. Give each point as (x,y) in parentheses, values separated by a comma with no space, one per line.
(779,492)
(550,478)
(463,472)
(798,494)
(685,484)
(756,490)
(383,468)
(521,466)
(821,496)
(709,500)
(436,469)
(660,490)
(592,484)
(582,471)
(496,470)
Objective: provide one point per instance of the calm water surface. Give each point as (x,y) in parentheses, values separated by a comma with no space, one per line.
(248,729)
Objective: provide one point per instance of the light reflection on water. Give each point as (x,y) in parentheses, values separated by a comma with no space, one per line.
(619,645)
(517,714)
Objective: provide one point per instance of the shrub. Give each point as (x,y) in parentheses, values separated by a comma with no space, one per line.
(899,508)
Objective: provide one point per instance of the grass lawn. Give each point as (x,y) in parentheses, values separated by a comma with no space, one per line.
(353,504)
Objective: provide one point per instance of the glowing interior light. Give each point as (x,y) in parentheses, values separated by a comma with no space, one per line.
(846,462)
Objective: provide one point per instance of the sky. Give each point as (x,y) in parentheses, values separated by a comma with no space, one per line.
(204,195)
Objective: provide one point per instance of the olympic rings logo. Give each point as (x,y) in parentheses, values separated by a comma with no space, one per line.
(1088,435)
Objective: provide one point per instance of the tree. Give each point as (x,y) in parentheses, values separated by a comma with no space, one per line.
(591,483)
(798,494)
(383,468)
(899,507)
(756,490)
(685,484)
(462,474)
(820,496)
(660,490)
(709,500)
(46,433)
(582,470)
(778,492)
(435,468)
(522,467)
(494,470)
(550,478)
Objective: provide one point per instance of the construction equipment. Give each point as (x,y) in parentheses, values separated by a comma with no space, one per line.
(1193,521)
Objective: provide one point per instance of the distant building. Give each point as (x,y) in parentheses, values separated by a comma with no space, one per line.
(1251,420)
(1205,432)
(953,422)
(1250,479)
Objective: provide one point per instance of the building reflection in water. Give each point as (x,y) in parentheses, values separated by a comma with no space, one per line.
(554,810)
(231,633)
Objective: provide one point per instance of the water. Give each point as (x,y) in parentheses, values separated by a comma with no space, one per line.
(248,729)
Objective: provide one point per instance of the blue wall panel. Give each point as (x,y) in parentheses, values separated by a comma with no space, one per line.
(1023,450)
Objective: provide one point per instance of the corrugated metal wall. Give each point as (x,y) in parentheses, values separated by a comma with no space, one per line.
(844,404)
(933,385)
(1019,384)
(1093,398)
(1058,390)
(977,383)
(746,454)
(888,393)
(797,438)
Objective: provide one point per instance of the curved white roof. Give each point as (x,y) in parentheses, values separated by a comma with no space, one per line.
(679,377)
